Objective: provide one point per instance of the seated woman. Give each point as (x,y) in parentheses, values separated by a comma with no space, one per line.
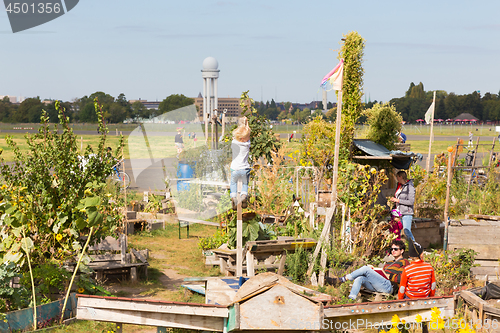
(382,280)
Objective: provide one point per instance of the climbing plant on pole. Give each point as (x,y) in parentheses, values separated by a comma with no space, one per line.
(352,51)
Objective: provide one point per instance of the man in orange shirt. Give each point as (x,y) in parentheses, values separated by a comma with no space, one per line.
(417,280)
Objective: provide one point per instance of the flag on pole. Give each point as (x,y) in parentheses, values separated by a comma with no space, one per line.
(429,115)
(335,77)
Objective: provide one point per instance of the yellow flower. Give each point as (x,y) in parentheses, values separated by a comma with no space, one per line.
(394,330)
(395,320)
(81,290)
(373,171)
(435,313)
(418,318)
(59,237)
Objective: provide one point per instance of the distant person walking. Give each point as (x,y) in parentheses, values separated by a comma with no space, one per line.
(179,142)
(404,199)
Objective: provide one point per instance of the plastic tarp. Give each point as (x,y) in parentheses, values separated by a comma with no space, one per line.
(490,291)
(399,159)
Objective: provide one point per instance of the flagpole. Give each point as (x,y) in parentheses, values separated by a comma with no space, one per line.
(325,234)
(428,166)
(337,149)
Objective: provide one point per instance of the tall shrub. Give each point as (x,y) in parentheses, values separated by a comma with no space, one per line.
(385,123)
(49,199)
(352,51)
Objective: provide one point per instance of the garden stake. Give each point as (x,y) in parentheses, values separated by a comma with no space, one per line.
(74,274)
(473,169)
(239,233)
(25,248)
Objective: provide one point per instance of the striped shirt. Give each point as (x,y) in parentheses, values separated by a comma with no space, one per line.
(394,270)
(417,281)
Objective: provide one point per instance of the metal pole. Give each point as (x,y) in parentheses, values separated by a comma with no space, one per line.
(447,203)
(431,137)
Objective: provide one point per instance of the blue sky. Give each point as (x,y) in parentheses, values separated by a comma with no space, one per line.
(276,49)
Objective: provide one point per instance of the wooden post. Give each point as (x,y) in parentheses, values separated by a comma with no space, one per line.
(472,168)
(212,145)
(223,124)
(491,153)
(431,137)
(124,194)
(206,129)
(447,203)
(281,269)
(216,132)
(239,233)
(336,152)
(81,144)
(250,266)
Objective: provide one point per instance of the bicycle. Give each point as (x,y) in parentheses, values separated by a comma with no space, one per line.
(122,179)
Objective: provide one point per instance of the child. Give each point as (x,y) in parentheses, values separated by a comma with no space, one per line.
(240,168)
(395,224)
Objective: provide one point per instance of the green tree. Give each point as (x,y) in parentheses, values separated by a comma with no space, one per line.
(29,111)
(352,51)
(317,113)
(174,102)
(384,124)
(139,110)
(262,137)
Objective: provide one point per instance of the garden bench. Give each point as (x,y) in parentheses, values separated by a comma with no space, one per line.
(375,296)
(261,255)
(113,263)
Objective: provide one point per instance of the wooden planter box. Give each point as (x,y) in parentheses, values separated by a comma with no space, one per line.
(324,198)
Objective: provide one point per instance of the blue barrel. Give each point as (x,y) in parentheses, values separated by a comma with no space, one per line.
(184,171)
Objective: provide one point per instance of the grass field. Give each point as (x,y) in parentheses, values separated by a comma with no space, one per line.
(162,146)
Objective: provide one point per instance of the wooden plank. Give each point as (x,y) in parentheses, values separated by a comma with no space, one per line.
(105,257)
(139,256)
(152,319)
(107,244)
(383,320)
(372,157)
(119,303)
(484,217)
(487,263)
(485,251)
(388,306)
(221,291)
(197,288)
(110,266)
(490,271)
(475,301)
(233,321)
(484,230)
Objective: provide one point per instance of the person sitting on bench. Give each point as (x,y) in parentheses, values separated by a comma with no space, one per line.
(381,280)
(418,279)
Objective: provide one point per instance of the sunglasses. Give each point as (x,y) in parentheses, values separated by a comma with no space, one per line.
(395,249)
